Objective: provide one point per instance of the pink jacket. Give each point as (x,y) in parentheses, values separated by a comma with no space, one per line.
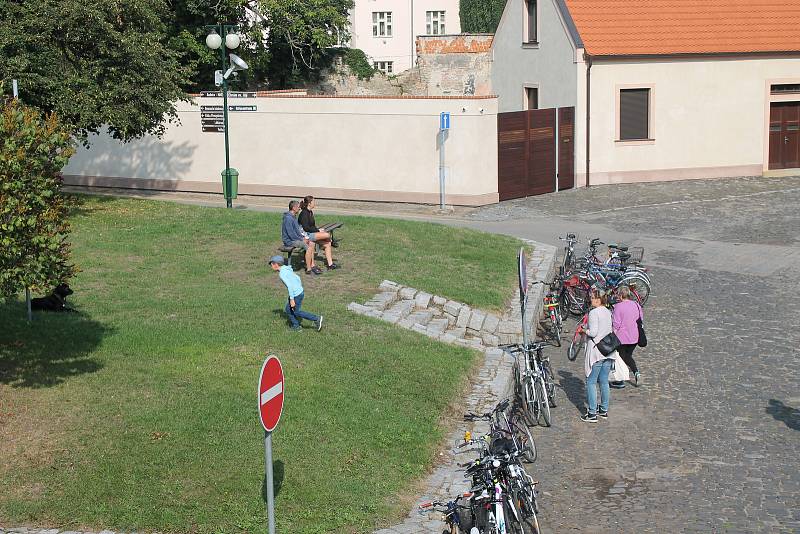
(626,313)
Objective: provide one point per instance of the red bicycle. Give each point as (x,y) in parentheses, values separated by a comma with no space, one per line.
(578,339)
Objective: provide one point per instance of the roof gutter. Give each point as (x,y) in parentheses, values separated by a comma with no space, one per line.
(588,60)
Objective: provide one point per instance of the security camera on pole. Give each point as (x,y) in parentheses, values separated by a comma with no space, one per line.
(214,40)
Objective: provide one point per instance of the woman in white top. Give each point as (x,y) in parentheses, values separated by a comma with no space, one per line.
(597,366)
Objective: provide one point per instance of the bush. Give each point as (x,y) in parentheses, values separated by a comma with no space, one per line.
(358,63)
(480,16)
(34,252)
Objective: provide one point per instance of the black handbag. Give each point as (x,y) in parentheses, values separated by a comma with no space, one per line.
(642,336)
(608,344)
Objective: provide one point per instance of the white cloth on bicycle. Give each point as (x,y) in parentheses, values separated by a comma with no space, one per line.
(598,327)
(621,373)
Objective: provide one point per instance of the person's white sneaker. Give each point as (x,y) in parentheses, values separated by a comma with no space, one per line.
(319,323)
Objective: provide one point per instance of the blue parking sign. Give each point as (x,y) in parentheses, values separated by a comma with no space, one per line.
(444,120)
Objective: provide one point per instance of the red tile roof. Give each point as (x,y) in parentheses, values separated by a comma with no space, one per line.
(655,27)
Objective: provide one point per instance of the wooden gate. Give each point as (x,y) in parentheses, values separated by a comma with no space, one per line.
(534,148)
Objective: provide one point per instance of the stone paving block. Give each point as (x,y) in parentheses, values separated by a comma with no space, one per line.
(452,307)
(390,317)
(463,317)
(407,293)
(490,339)
(422,317)
(402,308)
(457,332)
(448,338)
(509,327)
(355,307)
(439,301)
(476,320)
(451,319)
(416,327)
(437,325)
(388,285)
(491,323)
(423,299)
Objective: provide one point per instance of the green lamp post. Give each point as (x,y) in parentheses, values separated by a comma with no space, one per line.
(214,40)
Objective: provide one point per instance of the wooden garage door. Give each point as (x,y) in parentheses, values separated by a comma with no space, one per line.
(527,151)
(784,135)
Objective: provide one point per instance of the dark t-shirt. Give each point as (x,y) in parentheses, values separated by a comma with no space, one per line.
(306,220)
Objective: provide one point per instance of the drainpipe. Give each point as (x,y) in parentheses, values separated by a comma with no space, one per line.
(413,38)
(588,109)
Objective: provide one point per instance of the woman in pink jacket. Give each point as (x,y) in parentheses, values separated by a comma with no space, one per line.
(626,313)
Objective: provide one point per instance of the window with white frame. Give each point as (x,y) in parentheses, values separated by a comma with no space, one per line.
(434,22)
(530,22)
(386,67)
(381,23)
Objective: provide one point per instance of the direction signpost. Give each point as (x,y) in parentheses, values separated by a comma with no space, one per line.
(270,406)
(444,128)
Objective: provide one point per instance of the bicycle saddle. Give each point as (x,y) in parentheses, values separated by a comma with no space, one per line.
(618,246)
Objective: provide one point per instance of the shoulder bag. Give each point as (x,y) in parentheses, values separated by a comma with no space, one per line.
(608,344)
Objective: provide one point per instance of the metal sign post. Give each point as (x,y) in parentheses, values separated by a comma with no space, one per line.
(270,407)
(523,292)
(444,127)
(270,486)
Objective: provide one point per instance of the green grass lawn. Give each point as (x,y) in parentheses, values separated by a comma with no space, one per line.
(139,412)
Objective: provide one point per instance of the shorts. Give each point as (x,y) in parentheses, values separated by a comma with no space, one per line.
(298,244)
(312,237)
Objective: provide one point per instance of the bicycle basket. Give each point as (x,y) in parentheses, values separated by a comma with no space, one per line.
(502,446)
(637,254)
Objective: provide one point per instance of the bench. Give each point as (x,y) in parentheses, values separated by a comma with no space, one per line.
(288,251)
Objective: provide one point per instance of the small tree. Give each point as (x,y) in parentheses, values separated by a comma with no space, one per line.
(34,252)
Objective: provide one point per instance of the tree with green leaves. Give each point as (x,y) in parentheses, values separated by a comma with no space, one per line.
(34,252)
(480,16)
(99,64)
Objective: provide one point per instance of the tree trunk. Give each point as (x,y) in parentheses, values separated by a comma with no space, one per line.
(28,303)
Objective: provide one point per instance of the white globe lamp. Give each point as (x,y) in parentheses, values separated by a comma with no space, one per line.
(232,41)
(213,41)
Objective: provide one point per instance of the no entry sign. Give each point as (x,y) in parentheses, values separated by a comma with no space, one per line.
(270,393)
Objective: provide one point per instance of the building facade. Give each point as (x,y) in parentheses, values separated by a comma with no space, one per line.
(670,90)
(386,30)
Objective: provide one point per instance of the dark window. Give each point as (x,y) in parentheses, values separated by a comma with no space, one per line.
(634,116)
(530,35)
(785,88)
(532,97)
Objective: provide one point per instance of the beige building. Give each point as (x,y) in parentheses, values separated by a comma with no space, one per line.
(386,30)
(669,90)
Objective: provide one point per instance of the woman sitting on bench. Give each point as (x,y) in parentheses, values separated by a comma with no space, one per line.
(306,220)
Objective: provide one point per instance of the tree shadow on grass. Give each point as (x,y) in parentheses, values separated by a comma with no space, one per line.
(784,413)
(48,350)
(277,479)
(574,388)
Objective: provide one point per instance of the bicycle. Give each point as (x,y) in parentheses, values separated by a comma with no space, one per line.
(578,339)
(529,379)
(452,513)
(552,307)
(569,251)
(501,426)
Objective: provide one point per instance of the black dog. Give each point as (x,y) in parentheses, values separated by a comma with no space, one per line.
(55,301)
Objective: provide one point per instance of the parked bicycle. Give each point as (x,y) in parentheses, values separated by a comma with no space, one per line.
(533,380)
(503,427)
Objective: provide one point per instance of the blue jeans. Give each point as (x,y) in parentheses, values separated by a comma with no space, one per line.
(297,314)
(600,372)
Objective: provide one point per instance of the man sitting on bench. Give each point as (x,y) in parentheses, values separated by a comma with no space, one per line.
(306,220)
(294,236)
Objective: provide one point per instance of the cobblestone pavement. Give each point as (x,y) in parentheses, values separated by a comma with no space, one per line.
(710,442)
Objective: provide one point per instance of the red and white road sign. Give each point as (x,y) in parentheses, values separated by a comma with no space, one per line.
(270,393)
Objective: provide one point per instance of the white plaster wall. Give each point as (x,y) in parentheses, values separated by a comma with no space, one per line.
(401,47)
(369,148)
(708,117)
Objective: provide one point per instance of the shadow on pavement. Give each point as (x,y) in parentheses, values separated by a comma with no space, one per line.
(574,388)
(786,414)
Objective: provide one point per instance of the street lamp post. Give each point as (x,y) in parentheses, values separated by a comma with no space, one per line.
(214,40)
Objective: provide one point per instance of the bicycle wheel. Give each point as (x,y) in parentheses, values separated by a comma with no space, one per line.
(523,437)
(513,518)
(531,404)
(543,403)
(555,331)
(577,345)
(550,383)
(639,287)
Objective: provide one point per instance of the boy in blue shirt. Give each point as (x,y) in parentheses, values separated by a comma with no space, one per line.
(295,288)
